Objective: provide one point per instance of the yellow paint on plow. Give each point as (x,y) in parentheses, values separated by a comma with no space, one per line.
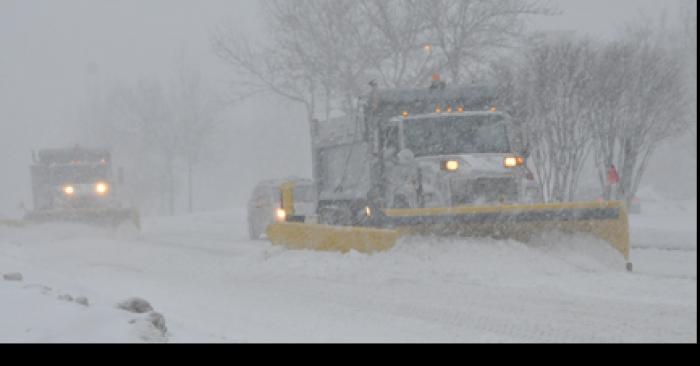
(614,229)
(331,239)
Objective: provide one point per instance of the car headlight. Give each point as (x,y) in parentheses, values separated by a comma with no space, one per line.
(101,188)
(68,190)
(281,215)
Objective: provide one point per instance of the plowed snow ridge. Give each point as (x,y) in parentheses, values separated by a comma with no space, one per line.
(212,284)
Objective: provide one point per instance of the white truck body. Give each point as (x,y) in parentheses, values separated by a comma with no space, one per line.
(396,158)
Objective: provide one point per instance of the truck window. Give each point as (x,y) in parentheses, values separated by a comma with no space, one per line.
(457,135)
(304,194)
(343,171)
(78,174)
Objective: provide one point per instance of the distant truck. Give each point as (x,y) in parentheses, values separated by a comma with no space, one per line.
(77,185)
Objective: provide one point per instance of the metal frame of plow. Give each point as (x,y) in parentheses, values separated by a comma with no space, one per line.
(605,220)
(98,217)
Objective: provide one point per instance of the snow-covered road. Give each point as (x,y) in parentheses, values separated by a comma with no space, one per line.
(213,285)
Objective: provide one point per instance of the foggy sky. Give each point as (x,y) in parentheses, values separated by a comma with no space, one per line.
(46,45)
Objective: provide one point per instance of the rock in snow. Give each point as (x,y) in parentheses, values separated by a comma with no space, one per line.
(136,305)
(82,300)
(12,277)
(158,321)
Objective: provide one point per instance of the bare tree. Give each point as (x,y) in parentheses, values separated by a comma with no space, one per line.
(546,92)
(322,53)
(311,56)
(641,101)
(136,122)
(399,51)
(196,117)
(263,69)
(689,47)
(156,129)
(611,81)
(467,34)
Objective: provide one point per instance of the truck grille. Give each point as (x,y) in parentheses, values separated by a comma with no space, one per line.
(484,191)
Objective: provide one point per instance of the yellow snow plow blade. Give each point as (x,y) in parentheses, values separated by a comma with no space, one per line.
(605,220)
(331,239)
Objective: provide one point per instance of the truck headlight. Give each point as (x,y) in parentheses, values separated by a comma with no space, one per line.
(450,165)
(68,190)
(513,161)
(101,188)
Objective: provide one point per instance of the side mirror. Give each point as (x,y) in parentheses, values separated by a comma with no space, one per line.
(120,175)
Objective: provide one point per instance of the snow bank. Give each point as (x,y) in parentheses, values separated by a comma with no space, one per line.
(38,313)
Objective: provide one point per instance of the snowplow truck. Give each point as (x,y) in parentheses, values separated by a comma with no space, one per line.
(435,161)
(77,185)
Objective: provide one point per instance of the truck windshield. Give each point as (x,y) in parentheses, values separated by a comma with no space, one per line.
(304,194)
(78,174)
(482,134)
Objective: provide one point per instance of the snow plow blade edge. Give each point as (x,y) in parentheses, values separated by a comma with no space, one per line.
(331,239)
(99,217)
(605,220)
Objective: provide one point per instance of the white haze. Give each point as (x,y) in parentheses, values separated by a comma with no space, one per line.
(45,47)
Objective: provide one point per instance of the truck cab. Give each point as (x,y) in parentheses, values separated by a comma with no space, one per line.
(452,159)
(418,148)
(74,178)
(77,185)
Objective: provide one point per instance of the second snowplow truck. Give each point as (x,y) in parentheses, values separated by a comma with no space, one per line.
(432,161)
(77,185)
